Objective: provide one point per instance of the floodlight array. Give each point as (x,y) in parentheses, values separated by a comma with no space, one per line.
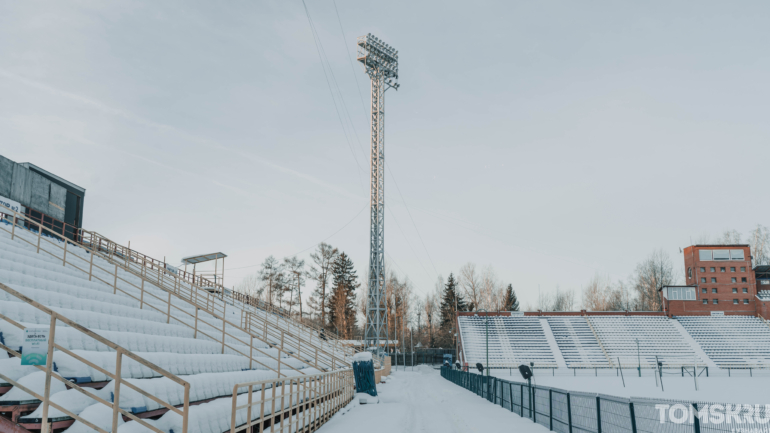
(378,58)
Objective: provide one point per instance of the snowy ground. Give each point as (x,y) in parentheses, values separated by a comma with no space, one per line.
(740,388)
(422,401)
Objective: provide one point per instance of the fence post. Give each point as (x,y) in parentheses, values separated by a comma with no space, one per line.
(696,420)
(569,413)
(532,410)
(521,406)
(598,415)
(550,409)
(633,418)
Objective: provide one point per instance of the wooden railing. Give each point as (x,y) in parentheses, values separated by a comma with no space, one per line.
(120,352)
(56,245)
(300,403)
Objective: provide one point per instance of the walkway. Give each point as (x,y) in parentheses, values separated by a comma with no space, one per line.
(421,401)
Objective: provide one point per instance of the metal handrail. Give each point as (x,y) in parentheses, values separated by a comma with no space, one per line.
(312,400)
(104,243)
(117,377)
(258,319)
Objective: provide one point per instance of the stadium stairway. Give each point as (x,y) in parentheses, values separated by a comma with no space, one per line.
(118,330)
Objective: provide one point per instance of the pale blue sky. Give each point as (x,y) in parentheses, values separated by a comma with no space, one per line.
(551,140)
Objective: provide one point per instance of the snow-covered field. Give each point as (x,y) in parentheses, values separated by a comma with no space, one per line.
(422,401)
(740,387)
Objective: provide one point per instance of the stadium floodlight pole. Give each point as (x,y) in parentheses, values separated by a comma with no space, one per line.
(380,62)
(487,323)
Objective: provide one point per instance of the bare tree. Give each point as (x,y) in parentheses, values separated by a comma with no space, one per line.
(471,286)
(729,237)
(650,275)
(602,295)
(323,259)
(251,285)
(564,300)
(271,275)
(759,239)
(296,270)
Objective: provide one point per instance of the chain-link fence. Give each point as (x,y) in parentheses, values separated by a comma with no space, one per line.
(579,412)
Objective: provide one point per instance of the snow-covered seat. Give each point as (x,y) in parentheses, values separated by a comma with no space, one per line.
(658,340)
(513,340)
(731,341)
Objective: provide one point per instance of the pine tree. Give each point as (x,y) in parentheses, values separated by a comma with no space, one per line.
(510,302)
(323,259)
(342,300)
(451,301)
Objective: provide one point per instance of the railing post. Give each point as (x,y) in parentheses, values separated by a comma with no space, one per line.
(569,413)
(64,257)
(598,415)
(116,399)
(168,312)
(696,420)
(195,335)
(91,265)
(115,284)
(251,351)
(141,297)
(224,325)
(521,406)
(186,408)
(550,408)
(632,414)
(13,226)
(48,372)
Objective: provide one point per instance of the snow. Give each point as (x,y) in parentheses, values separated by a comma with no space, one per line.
(362,356)
(35,382)
(98,414)
(71,399)
(13,369)
(423,401)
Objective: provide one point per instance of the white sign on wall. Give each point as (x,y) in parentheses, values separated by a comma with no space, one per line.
(35,348)
(14,205)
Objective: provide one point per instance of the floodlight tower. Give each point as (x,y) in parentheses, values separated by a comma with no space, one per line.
(380,62)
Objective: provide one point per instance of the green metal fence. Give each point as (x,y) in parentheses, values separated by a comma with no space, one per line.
(579,412)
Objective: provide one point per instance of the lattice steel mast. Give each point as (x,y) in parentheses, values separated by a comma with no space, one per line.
(381,64)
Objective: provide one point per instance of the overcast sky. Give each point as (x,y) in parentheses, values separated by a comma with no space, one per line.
(550,140)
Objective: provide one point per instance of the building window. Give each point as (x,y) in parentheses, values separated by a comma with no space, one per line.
(712,269)
(735,301)
(722,269)
(733,280)
(743,268)
(732,268)
(704,290)
(745,290)
(735,290)
(689,272)
(704,255)
(716,301)
(703,269)
(736,255)
(705,301)
(745,301)
(743,280)
(703,279)
(713,279)
(722,254)
(713,290)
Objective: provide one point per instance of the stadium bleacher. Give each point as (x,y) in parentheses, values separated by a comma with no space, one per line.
(512,341)
(731,341)
(178,336)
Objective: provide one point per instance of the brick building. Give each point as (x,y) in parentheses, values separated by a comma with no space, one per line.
(718,278)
